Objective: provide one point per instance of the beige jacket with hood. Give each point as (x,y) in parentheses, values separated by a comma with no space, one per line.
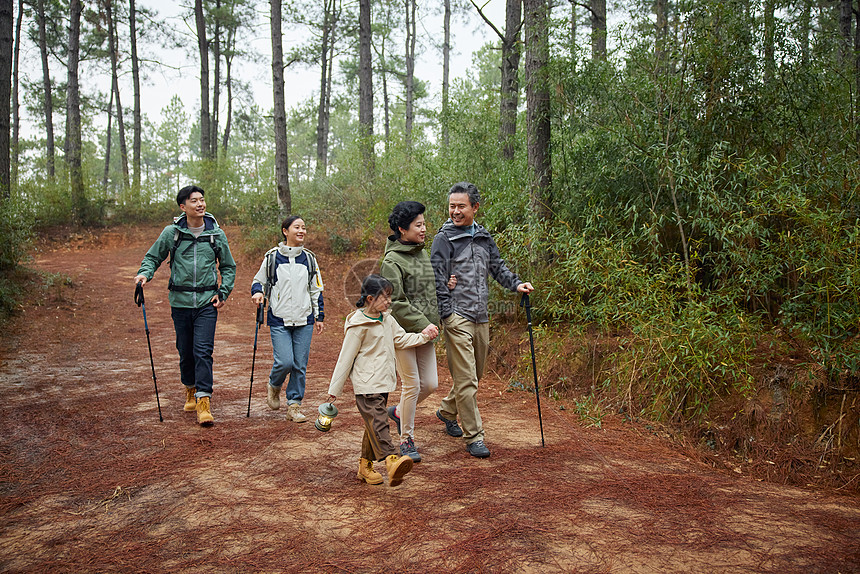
(367,356)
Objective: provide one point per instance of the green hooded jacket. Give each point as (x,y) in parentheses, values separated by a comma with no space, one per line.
(194,271)
(413,300)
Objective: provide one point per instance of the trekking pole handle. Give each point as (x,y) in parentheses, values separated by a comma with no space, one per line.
(524,302)
(261,316)
(138,294)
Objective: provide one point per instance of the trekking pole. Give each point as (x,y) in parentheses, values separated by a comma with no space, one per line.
(138,299)
(524,302)
(259,322)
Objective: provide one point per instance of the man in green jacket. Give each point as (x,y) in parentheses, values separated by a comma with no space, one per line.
(198,250)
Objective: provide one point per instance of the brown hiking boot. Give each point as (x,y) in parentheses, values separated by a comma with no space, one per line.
(366,472)
(397,467)
(294,413)
(273,399)
(190,401)
(204,415)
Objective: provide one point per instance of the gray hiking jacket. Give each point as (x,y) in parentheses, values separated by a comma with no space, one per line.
(472,259)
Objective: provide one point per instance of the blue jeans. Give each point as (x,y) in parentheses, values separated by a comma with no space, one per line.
(195,341)
(291,347)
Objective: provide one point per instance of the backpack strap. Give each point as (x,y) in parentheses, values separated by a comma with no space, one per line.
(271,271)
(177,239)
(272,266)
(312,267)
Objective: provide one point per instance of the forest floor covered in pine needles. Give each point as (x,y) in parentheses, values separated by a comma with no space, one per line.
(92,481)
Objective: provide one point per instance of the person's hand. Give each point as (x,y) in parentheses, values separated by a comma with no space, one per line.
(318,327)
(217,302)
(431,331)
(452,282)
(140,280)
(525,288)
(332,398)
(258,298)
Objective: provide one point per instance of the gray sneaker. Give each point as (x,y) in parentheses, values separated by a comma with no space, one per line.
(392,414)
(478,449)
(408,448)
(451,427)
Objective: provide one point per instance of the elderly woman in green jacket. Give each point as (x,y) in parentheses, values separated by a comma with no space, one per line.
(413,304)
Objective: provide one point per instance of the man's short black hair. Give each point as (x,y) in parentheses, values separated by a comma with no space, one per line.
(469,189)
(403,214)
(186,192)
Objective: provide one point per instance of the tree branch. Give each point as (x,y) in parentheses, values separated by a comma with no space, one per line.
(487,20)
(583,5)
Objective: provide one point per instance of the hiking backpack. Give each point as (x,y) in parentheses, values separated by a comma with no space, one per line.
(271,269)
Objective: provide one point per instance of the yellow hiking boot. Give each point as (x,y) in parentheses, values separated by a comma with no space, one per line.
(366,472)
(190,401)
(204,415)
(397,467)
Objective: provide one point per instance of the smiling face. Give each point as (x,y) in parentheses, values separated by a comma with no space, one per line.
(295,233)
(378,304)
(416,232)
(194,206)
(461,210)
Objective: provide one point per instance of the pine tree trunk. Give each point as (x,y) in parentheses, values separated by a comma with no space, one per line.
(660,29)
(6,37)
(411,17)
(73,114)
(510,87)
(16,117)
(120,123)
(108,142)
(538,107)
(135,75)
(228,61)
(769,32)
(857,73)
(365,89)
(805,26)
(386,109)
(328,87)
(203,49)
(48,98)
(282,164)
(216,80)
(845,47)
(446,72)
(598,29)
(322,109)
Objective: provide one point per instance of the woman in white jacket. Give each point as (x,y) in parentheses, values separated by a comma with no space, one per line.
(290,279)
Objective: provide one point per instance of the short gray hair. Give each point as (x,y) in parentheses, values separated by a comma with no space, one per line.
(469,189)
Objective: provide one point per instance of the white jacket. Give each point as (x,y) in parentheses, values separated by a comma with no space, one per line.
(367,356)
(291,303)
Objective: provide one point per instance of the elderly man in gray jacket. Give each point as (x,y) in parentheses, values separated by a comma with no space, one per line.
(463,256)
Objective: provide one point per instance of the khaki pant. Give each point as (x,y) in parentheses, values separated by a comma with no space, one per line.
(419,378)
(467,345)
(376,443)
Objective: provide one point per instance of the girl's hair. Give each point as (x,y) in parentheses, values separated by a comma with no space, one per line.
(402,216)
(287,222)
(373,286)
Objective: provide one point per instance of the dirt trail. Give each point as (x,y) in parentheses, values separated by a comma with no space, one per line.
(91,481)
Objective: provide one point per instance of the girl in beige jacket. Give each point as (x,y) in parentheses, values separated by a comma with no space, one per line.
(367,358)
